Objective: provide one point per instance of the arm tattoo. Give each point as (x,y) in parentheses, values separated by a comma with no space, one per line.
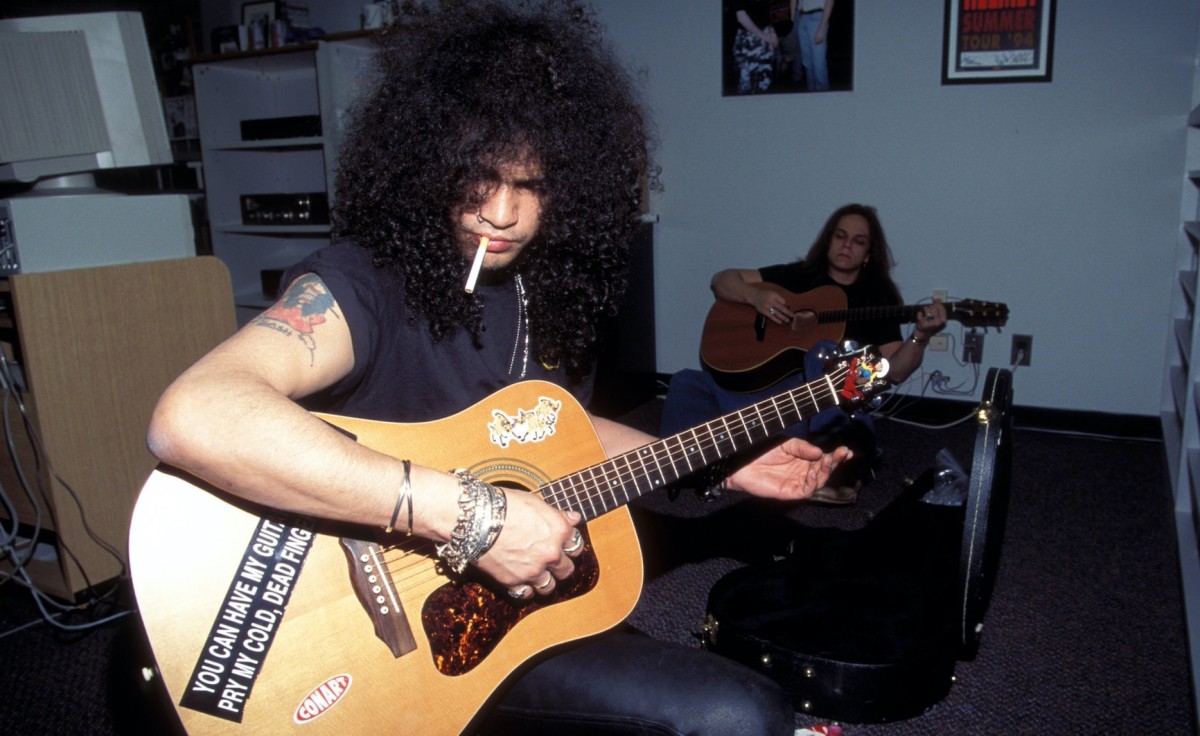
(299,310)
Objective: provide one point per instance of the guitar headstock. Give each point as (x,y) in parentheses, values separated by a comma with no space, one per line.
(858,374)
(974,313)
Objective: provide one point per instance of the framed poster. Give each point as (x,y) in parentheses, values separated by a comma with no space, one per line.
(998,41)
(783,46)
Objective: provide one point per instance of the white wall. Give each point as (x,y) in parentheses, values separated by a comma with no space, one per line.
(1060,199)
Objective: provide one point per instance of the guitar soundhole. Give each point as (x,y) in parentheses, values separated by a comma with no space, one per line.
(804,320)
(466,620)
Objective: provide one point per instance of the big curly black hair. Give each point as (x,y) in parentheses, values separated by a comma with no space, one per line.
(469,88)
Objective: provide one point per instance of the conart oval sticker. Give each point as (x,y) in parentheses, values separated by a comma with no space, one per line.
(319,701)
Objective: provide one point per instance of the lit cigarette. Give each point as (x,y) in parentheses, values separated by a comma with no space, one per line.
(477,264)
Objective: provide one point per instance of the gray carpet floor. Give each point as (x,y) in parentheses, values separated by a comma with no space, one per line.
(1084,634)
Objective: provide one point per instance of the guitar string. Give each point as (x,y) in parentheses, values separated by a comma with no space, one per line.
(708,437)
(411,564)
(419,565)
(713,435)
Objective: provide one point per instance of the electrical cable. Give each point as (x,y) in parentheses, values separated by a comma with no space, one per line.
(19,574)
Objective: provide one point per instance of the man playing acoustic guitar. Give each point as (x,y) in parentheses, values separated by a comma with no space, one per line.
(487,192)
(850,254)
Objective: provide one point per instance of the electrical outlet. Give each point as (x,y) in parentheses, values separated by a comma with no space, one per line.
(939,343)
(972,347)
(1022,349)
(941,295)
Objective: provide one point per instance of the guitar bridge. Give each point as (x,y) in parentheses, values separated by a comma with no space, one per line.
(373,585)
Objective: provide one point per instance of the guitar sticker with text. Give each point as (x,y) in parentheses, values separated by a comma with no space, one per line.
(321,699)
(247,621)
(529,425)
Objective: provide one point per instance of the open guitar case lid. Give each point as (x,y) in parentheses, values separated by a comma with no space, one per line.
(866,626)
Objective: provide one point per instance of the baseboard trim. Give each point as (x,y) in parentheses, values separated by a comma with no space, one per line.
(936,411)
(1073,421)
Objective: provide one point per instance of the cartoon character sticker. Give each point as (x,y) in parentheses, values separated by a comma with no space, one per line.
(529,425)
(862,372)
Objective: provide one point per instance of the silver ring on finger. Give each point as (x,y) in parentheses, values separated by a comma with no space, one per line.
(576,543)
(545,583)
(519,591)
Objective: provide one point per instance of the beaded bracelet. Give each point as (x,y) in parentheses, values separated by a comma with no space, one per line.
(405,493)
(482,508)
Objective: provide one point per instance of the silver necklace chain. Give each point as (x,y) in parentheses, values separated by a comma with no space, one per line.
(522,327)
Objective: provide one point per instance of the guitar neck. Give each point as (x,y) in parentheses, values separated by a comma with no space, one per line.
(605,486)
(902,313)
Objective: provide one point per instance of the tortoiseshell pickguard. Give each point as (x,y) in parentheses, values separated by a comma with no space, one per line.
(465,620)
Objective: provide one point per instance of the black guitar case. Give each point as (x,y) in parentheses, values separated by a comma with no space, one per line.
(866,626)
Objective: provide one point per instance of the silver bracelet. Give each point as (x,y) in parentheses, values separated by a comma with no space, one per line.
(482,509)
(405,494)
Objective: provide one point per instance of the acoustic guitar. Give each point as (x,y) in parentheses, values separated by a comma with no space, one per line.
(266,624)
(745,351)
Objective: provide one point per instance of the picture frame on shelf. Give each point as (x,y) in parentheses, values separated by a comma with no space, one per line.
(262,13)
(225,40)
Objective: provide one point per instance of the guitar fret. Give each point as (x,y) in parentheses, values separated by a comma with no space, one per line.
(811,395)
(757,422)
(608,482)
(632,474)
(598,489)
(725,438)
(591,483)
(648,451)
(623,476)
(782,405)
(704,458)
(688,451)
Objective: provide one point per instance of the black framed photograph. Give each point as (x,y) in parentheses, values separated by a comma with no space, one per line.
(225,40)
(262,13)
(998,41)
(785,46)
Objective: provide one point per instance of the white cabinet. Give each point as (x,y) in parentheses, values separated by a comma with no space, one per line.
(270,123)
(1180,406)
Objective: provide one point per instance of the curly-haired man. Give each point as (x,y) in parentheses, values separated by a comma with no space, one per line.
(487,194)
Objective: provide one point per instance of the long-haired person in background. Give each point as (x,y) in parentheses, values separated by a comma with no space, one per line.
(851,253)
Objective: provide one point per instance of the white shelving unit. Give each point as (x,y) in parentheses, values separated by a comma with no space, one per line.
(1180,406)
(318,79)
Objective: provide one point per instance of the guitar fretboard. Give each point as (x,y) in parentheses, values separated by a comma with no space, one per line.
(603,487)
(906,313)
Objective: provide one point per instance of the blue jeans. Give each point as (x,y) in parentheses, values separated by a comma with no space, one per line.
(812,55)
(630,684)
(693,397)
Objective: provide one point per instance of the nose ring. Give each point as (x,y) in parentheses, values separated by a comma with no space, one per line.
(479,216)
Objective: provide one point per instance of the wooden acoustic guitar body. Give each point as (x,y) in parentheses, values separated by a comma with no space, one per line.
(745,351)
(189,550)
